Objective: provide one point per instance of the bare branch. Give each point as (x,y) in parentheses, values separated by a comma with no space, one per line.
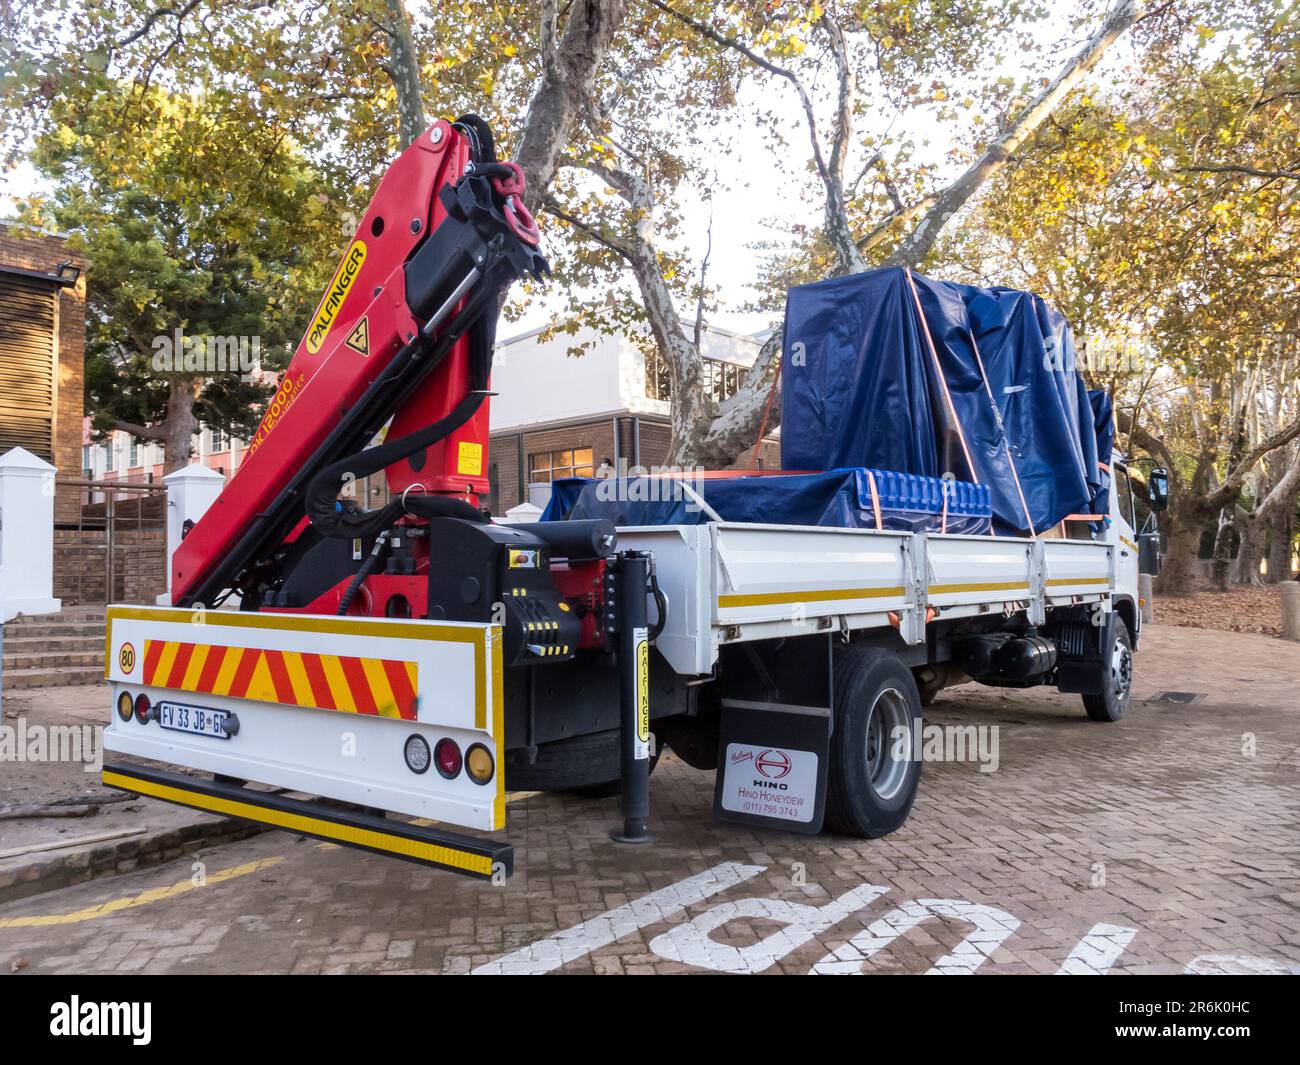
(566,86)
(829,170)
(920,240)
(1231,487)
(553,207)
(142,432)
(177,12)
(1249,171)
(704,270)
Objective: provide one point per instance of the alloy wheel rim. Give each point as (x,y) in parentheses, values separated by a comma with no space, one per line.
(888,713)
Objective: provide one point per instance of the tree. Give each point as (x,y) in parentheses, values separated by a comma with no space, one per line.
(1165,212)
(209,155)
(796,45)
(210,226)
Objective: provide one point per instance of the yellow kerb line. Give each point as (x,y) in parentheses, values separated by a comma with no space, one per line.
(128,902)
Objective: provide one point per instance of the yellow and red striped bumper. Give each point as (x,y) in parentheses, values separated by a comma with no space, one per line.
(379,686)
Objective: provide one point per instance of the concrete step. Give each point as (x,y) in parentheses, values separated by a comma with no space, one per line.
(54,630)
(15,679)
(52,659)
(25,644)
(74,614)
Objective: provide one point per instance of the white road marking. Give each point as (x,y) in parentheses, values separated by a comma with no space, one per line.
(556,950)
(692,943)
(992,926)
(1097,951)
(1237,965)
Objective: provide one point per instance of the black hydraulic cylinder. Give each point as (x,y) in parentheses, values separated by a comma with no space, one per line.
(629,586)
(576,540)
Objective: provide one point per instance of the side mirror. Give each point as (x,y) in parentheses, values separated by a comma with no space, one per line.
(1158,488)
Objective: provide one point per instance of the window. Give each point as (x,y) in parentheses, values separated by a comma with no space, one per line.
(547,466)
(1123,493)
(721,379)
(658,382)
(220,441)
(133,459)
(86,469)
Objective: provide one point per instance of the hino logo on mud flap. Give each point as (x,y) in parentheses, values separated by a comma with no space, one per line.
(772,764)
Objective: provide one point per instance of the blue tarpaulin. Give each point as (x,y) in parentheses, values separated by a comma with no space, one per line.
(893,370)
(849,498)
(1103,420)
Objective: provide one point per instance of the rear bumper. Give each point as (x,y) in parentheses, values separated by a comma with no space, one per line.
(416,843)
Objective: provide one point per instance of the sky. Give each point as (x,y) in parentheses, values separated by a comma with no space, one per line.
(761,190)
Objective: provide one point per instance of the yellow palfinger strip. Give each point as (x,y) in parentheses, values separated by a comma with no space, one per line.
(338,683)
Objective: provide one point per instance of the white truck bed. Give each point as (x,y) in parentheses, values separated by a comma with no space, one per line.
(732,583)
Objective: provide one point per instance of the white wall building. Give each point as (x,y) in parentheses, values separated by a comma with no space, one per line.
(558,414)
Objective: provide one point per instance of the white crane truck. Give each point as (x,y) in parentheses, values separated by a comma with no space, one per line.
(390,673)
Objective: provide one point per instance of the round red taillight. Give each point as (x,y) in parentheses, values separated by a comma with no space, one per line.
(447,757)
(142,708)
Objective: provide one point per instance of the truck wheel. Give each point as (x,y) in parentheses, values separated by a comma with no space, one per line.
(870,791)
(1112,701)
(589,765)
(610,787)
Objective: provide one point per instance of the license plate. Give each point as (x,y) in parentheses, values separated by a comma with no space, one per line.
(196,719)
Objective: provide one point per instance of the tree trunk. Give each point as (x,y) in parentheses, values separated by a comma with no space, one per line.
(1250,548)
(404,70)
(1280,534)
(1184,540)
(1223,558)
(569,69)
(181,424)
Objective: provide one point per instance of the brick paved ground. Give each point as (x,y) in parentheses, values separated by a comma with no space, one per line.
(1159,827)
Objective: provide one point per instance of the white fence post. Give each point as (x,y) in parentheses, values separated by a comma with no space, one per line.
(1290,609)
(26,535)
(190,491)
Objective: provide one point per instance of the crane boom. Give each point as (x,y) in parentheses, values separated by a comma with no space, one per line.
(404,331)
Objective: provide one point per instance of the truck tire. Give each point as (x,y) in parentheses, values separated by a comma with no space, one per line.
(610,787)
(869,791)
(589,765)
(1111,703)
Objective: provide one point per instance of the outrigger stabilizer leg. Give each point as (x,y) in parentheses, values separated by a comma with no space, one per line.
(627,582)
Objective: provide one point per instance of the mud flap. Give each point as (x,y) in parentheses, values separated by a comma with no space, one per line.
(772,765)
(1087,675)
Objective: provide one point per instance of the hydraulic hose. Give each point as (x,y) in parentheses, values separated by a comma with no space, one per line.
(367,568)
(322,493)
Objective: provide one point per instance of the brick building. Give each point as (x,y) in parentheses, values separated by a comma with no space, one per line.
(122,457)
(42,350)
(560,415)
